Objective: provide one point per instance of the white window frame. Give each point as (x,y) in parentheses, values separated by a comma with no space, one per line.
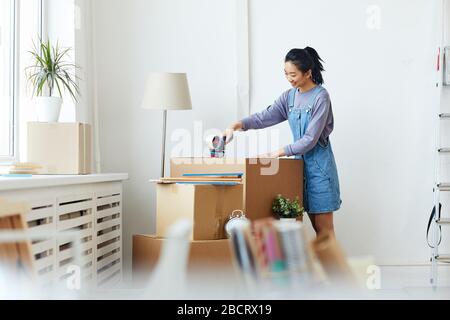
(14,153)
(13,120)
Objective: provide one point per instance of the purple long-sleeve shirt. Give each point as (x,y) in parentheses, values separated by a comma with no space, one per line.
(320,125)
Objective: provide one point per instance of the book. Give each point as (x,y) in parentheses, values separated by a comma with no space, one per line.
(294,246)
(243,252)
(24,168)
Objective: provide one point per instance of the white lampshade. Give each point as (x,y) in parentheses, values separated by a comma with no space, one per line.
(167,91)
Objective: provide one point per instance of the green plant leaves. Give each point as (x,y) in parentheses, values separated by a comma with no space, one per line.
(51,71)
(285,208)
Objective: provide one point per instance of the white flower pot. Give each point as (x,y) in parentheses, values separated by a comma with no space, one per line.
(289,220)
(48,108)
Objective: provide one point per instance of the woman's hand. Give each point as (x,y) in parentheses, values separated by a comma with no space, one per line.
(274,154)
(228,133)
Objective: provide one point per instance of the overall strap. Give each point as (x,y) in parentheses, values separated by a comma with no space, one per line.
(313,98)
(291,98)
(310,105)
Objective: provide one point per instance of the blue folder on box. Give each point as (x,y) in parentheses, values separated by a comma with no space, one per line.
(234,174)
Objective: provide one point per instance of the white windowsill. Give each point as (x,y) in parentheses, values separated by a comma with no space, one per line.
(41,181)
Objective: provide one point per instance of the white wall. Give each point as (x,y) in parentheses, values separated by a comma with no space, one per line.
(381,82)
(133,38)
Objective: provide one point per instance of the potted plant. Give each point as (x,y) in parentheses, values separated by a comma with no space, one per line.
(51,74)
(285,209)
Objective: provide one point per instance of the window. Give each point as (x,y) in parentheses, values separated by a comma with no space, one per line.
(20,25)
(30,30)
(7,21)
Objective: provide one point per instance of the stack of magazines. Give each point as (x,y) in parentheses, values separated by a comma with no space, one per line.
(274,253)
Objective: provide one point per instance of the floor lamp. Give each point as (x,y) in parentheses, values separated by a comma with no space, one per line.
(166,91)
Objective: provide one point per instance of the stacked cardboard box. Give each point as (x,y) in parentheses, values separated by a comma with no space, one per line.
(209,204)
(262,179)
(204,256)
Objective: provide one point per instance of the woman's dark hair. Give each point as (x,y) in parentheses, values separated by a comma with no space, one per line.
(305,60)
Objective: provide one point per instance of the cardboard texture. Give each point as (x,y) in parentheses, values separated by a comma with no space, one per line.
(206,254)
(263,179)
(207,206)
(60,148)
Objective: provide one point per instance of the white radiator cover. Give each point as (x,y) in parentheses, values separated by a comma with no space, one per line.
(95,211)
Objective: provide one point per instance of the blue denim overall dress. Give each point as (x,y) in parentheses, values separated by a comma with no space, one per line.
(321,183)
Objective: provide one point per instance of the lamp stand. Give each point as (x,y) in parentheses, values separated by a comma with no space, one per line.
(163,153)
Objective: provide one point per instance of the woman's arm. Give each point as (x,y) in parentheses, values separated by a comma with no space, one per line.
(275,113)
(272,115)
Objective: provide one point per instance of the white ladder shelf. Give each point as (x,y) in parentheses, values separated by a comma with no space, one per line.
(438,222)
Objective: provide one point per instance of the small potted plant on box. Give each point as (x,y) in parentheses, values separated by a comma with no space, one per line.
(287,210)
(50,74)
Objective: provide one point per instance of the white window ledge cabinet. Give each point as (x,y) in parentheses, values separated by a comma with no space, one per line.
(90,205)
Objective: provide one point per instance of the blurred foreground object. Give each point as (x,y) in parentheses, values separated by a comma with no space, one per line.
(14,256)
(168,278)
(333,259)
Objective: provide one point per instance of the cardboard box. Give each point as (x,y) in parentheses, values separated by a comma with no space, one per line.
(207,206)
(60,148)
(263,179)
(203,255)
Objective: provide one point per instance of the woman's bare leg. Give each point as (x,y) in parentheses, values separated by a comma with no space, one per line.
(313,221)
(322,222)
